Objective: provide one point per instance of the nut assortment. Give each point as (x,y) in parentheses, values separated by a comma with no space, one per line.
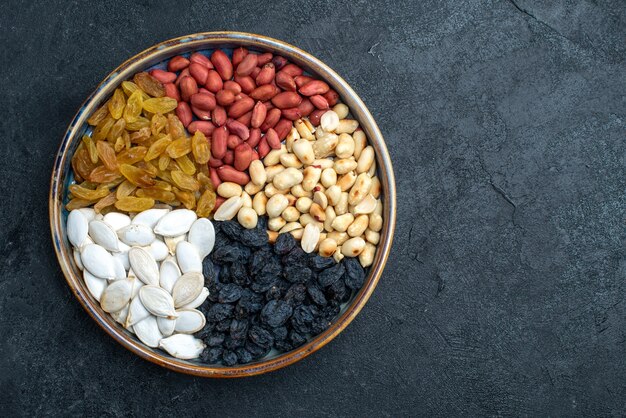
(247,139)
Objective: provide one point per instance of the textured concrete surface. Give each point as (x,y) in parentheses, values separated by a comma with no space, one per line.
(504,294)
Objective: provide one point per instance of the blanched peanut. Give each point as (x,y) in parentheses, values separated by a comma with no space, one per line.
(272,235)
(342,206)
(276,205)
(297,233)
(358,226)
(353,247)
(298,191)
(330,217)
(319,187)
(342,222)
(360,142)
(379,207)
(344,165)
(291,199)
(229,189)
(329,121)
(303,204)
(290,226)
(317,212)
(291,214)
(290,160)
(304,130)
(323,163)
(366,159)
(288,178)
(320,198)
(341,110)
(376,222)
(258,203)
(333,193)
(347,126)
(327,247)
(311,177)
(271,190)
(306,219)
(309,125)
(372,170)
(365,206)
(376,187)
(292,137)
(228,209)
(345,146)
(247,217)
(328,177)
(273,157)
(303,149)
(340,237)
(360,189)
(252,188)
(310,238)
(246,199)
(272,171)
(257,173)
(372,237)
(325,146)
(366,258)
(275,224)
(346,181)
(338,256)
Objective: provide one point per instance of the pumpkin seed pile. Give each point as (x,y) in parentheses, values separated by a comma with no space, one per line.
(146,272)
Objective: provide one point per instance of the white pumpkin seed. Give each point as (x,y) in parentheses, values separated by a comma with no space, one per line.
(189,321)
(119,271)
(103,235)
(158,301)
(98,261)
(187,288)
(89,213)
(123,258)
(116,296)
(166,326)
(172,242)
(150,217)
(136,234)
(116,220)
(120,316)
(169,273)
(202,235)
(136,312)
(77,259)
(148,331)
(77,228)
(188,257)
(199,300)
(182,346)
(158,249)
(144,265)
(95,285)
(176,222)
(136,284)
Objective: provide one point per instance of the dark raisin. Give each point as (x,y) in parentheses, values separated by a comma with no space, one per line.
(319,325)
(208,270)
(229,358)
(338,291)
(321,263)
(260,336)
(284,243)
(274,292)
(276,312)
(219,312)
(215,339)
(243,355)
(232,230)
(256,350)
(212,355)
(280,333)
(330,275)
(229,293)
(254,238)
(223,325)
(239,328)
(302,318)
(297,274)
(283,345)
(296,338)
(296,256)
(296,294)
(239,274)
(232,343)
(316,294)
(206,331)
(355,275)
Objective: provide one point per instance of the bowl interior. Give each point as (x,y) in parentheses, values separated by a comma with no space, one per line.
(156,57)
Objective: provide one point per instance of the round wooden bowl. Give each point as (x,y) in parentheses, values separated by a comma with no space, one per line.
(62,177)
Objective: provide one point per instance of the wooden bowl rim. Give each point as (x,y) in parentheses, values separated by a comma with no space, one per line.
(160,52)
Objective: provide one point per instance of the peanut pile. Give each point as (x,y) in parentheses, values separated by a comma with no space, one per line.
(236,138)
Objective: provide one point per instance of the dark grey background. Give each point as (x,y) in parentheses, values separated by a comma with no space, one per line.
(504,293)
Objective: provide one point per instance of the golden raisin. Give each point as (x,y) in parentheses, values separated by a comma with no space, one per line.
(117,103)
(131,156)
(179,147)
(174,126)
(200,148)
(138,124)
(188,199)
(185,181)
(78,203)
(102,129)
(160,105)
(99,115)
(157,123)
(125,189)
(140,136)
(133,107)
(206,203)
(107,155)
(149,84)
(134,204)
(91,148)
(104,202)
(164,161)
(158,147)
(186,165)
(88,194)
(100,174)
(156,194)
(129,88)
(116,130)
(137,176)
(81,164)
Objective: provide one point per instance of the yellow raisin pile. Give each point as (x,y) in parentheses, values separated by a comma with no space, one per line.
(139,154)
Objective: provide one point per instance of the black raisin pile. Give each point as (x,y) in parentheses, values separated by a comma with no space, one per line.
(268,296)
